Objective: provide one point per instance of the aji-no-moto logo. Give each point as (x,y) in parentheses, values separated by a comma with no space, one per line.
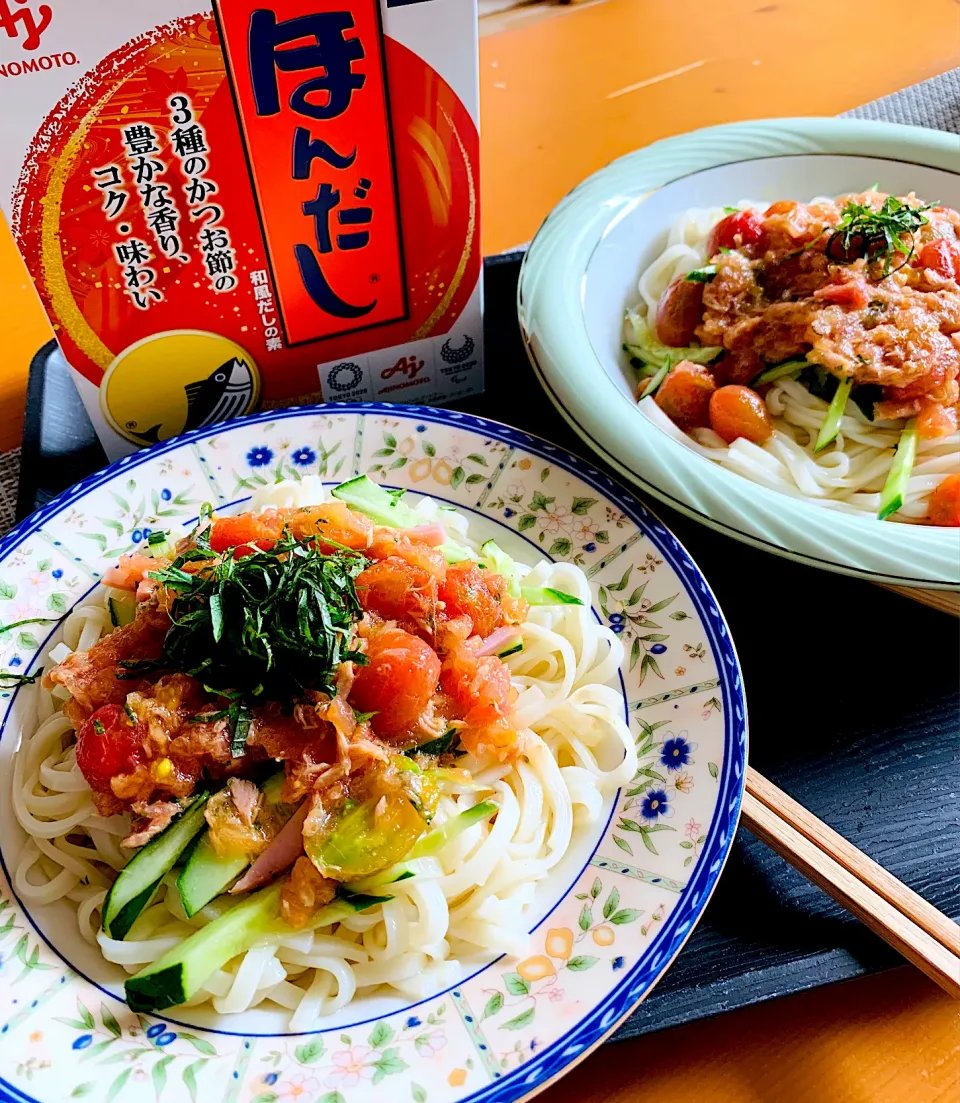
(25,18)
(345,376)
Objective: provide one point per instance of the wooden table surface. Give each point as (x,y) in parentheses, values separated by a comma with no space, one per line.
(564,91)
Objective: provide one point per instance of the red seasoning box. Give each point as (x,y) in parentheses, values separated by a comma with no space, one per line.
(264,204)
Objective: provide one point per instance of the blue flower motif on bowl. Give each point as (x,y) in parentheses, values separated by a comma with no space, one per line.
(303,457)
(259,456)
(655,804)
(676,752)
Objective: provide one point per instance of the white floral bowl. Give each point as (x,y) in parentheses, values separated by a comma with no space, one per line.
(607,923)
(581,272)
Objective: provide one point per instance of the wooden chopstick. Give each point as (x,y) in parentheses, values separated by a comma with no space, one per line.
(913,926)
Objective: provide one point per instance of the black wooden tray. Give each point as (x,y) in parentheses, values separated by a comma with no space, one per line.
(852,692)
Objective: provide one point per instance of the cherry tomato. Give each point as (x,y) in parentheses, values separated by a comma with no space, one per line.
(782,206)
(684,396)
(468,591)
(109,744)
(941,256)
(398,681)
(737,411)
(246,532)
(679,312)
(366,838)
(934,420)
(944,507)
(735,231)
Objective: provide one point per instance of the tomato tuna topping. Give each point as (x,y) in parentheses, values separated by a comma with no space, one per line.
(468,591)
(246,533)
(109,744)
(944,508)
(399,591)
(934,420)
(335,521)
(398,681)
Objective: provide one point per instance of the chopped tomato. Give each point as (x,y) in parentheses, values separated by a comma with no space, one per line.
(334,520)
(684,396)
(934,420)
(852,294)
(740,412)
(246,533)
(944,507)
(468,591)
(679,312)
(472,680)
(735,231)
(398,681)
(130,571)
(399,591)
(109,744)
(941,256)
(479,686)
(408,546)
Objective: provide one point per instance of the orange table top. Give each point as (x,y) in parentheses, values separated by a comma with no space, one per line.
(562,94)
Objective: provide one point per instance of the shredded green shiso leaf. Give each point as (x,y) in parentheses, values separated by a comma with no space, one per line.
(266,627)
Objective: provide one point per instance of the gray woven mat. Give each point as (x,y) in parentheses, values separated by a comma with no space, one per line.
(934,103)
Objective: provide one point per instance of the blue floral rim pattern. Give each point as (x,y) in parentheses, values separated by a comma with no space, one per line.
(637,982)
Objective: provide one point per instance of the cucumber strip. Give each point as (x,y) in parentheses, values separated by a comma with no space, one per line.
(642,344)
(139,878)
(495,559)
(891,497)
(831,424)
(438,839)
(366,497)
(517,647)
(121,612)
(346,904)
(779,371)
(702,275)
(179,973)
(386,508)
(655,380)
(206,874)
(546,595)
(402,871)
(453,553)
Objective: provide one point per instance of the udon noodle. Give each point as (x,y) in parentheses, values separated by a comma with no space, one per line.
(473,897)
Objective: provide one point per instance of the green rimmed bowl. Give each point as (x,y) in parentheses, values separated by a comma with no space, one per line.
(581,273)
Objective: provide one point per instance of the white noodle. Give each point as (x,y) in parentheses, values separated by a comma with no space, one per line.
(475,895)
(849,475)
